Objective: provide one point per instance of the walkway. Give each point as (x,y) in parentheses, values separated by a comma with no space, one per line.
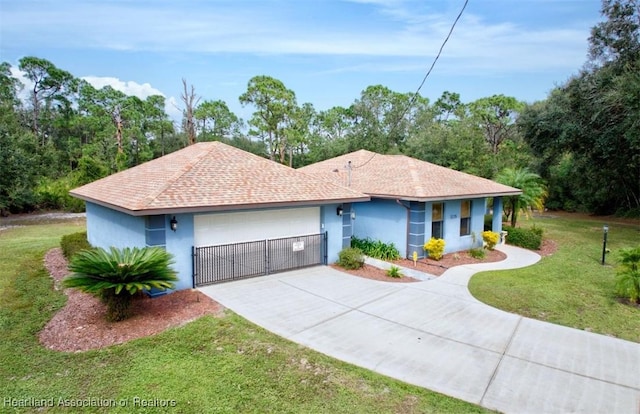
(436,335)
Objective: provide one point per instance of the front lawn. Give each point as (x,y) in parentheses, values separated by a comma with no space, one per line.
(211,365)
(570,287)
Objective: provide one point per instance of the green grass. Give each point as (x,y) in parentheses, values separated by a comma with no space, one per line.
(224,365)
(570,287)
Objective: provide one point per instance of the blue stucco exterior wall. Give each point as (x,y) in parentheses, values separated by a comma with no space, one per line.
(384,220)
(332,223)
(180,243)
(106,228)
(455,242)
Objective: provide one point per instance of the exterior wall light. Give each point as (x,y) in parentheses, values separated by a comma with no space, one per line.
(339,211)
(173,223)
(353,214)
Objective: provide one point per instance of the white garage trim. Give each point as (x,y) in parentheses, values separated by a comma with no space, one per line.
(225,228)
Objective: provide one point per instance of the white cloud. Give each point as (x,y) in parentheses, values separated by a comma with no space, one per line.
(402,29)
(130,88)
(172,108)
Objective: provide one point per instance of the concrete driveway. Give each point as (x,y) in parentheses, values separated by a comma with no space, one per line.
(436,335)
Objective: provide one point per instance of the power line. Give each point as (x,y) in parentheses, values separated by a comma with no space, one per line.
(415,95)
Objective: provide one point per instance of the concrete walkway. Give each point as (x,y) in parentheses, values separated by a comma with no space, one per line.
(436,335)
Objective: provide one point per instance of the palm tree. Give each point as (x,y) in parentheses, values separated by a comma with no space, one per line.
(533,194)
(116,275)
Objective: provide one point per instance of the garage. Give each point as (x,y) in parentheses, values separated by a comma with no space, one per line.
(237,245)
(235,227)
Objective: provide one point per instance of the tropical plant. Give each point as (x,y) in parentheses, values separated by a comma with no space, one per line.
(491,238)
(477,253)
(394,271)
(376,248)
(116,275)
(435,248)
(533,194)
(628,274)
(350,258)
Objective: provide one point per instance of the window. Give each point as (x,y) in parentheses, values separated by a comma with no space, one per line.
(155,231)
(437,213)
(465,218)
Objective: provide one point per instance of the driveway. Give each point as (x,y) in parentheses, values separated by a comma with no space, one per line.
(436,335)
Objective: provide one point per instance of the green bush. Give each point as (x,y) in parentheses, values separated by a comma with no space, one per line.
(376,248)
(54,194)
(394,271)
(477,253)
(537,230)
(628,275)
(350,258)
(527,238)
(73,243)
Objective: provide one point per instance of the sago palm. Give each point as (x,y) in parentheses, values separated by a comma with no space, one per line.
(115,275)
(533,194)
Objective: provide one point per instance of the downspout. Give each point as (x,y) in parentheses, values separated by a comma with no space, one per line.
(408,226)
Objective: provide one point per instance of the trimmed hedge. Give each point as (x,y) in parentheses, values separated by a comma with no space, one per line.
(73,243)
(527,238)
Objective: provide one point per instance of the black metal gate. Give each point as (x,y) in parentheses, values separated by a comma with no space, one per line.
(226,262)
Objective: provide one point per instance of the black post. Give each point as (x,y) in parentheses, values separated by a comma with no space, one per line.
(604,242)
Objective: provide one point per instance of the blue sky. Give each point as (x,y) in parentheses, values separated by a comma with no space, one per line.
(326,51)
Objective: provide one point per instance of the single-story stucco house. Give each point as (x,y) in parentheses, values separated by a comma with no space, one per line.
(259,216)
(413,200)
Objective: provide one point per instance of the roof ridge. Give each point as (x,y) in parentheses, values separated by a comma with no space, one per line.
(184,170)
(415,177)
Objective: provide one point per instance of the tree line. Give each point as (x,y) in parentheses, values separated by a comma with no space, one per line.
(583,139)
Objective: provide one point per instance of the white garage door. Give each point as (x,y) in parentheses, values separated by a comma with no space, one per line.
(225,228)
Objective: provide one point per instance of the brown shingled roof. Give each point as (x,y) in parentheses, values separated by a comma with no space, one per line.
(399,176)
(211,176)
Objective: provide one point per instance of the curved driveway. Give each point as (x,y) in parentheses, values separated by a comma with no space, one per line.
(436,335)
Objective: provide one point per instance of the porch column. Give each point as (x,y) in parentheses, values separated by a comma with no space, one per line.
(496,224)
(415,231)
(347,225)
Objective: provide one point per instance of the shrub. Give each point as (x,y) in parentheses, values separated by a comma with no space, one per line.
(491,238)
(435,248)
(394,271)
(116,275)
(73,243)
(477,253)
(54,194)
(628,275)
(537,230)
(527,238)
(376,248)
(350,258)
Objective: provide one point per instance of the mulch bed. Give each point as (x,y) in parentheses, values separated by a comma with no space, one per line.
(437,268)
(372,272)
(81,324)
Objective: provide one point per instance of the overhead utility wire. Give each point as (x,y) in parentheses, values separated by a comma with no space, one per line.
(415,95)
